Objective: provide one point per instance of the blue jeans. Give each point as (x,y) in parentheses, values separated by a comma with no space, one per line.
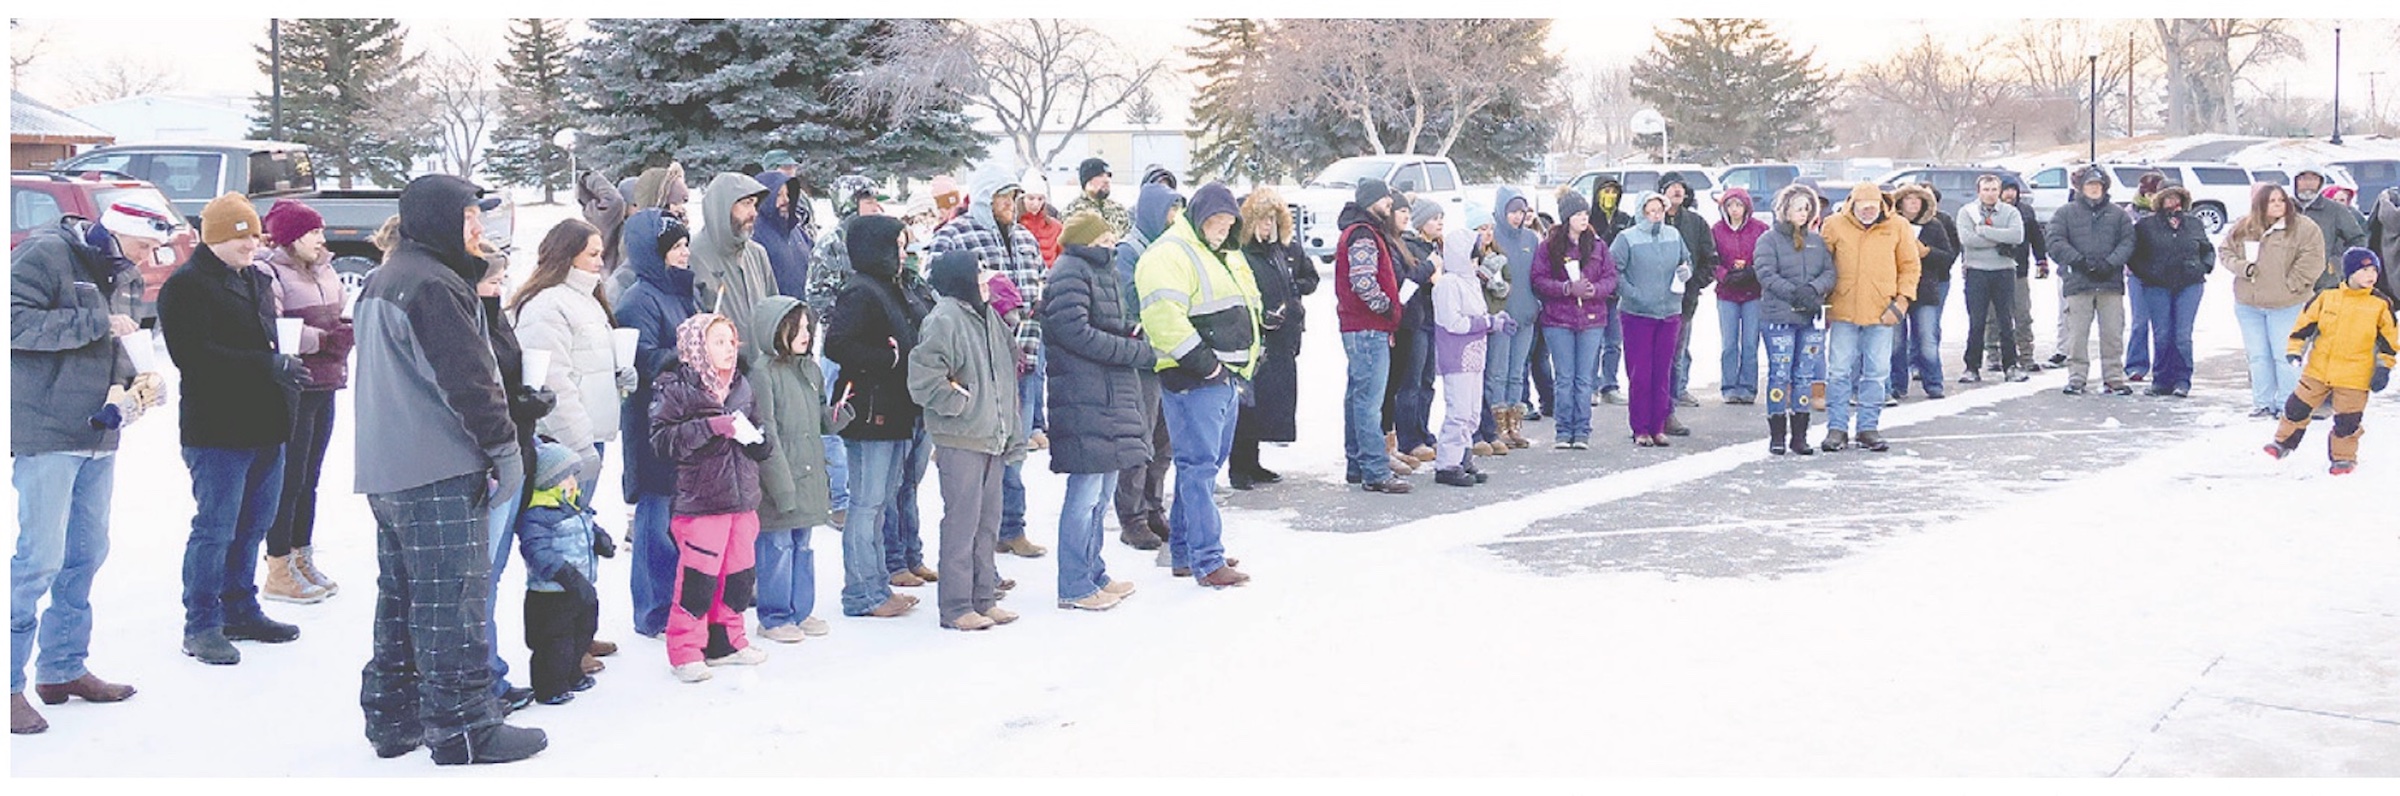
(1612,347)
(1080,532)
(1859,366)
(1012,478)
(875,472)
(1412,388)
(1683,344)
(1370,356)
(2138,328)
(1917,343)
(62,538)
(903,537)
(787,577)
(500,527)
(1200,420)
(1737,326)
(2264,333)
(1575,357)
(1795,359)
(1031,393)
(1504,364)
(236,489)
(837,460)
(654,560)
(2171,311)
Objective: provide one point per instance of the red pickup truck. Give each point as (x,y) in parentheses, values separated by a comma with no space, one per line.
(38,199)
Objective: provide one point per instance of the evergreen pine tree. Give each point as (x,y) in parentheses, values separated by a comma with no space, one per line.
(1230,145)
(716,94)
(350,95)
(533,86)
(1733,90)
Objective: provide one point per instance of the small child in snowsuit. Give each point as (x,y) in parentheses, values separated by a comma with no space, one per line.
(561,545)
(963,371)
(700,419)
(1463,323)
(2347,332)
(797,490)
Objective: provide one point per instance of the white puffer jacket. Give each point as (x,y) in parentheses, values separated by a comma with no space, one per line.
(568,322)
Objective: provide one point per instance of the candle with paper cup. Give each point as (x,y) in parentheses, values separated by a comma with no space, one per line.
(2250,251)
(287,335)
(137,348)
(537,367)
(629,342)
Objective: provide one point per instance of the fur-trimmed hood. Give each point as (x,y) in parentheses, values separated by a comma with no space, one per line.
(1926,207)
(1265,209)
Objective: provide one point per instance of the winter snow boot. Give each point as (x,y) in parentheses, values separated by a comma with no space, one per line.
(1835,440)
(211,648)
(499,743)
(1468,464)
(1453,477)
(1514,431)
(286,584)
(1482,449)
(592,665)
(2342,468)
(1799,427)
(1776,427)
(304,564)
(1424,454)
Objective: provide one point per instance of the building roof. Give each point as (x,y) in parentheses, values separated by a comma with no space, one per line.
(30,121)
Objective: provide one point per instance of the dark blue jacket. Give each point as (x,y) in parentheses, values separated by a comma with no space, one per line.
(790,248)
(1097,424)
(554,536)
(661,299)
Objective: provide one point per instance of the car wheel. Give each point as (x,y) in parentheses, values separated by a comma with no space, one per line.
(2212,215)
(352,270)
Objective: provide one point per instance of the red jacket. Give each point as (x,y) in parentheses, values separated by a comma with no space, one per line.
(1360,292)
(1046,230)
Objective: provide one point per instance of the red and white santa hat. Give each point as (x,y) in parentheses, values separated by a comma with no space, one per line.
(140,219)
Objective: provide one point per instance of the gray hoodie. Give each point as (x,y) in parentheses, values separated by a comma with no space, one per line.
(730,271)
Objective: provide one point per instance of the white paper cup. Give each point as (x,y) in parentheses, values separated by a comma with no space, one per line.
(537,367)
(137,348)
(287,335)
(2250,251)
(628,342)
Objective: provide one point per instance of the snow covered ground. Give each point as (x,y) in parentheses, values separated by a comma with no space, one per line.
(2085,587)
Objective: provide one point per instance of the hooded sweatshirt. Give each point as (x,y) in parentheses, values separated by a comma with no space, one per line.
(426,372)
(1461,324)
(784,233)
(1609,217)
(963,369)
(873,327)
(658,302)
(1200,304)
(1518,244)
(730,271)
(1737,245)
(1152,211)
(1012,251)
(1651,258)
(792,411)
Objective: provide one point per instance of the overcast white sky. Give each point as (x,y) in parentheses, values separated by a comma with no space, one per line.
(214,56)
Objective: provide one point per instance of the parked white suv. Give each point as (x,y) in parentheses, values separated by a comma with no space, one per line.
(1317,204)
(2220,191)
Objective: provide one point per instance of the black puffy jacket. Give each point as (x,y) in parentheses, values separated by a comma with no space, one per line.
(2169,255)
(1097,420)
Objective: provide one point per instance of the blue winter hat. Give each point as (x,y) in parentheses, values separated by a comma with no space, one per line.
(2357,258)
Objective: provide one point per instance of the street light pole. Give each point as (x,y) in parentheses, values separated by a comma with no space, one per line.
(2093,59)
(2337,86)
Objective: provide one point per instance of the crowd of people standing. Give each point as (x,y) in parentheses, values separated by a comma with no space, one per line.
(762,381)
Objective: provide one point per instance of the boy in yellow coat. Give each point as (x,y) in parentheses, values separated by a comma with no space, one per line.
(2352,331)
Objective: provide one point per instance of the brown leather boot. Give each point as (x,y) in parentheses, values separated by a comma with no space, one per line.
(90,687)
(22,718)
(602,649)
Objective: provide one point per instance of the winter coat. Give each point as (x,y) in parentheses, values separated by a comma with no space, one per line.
(1462,325)
(2383,235)
(1561,308)
(790,392)
(316,298)
(1013,252)
(219,321)
(554,533)
(1199,306)
(1370,296)
(568,321)
(1987,240)
(870,334)
(1609,217)
(1097,423)
(2342,229)
(62,355)
(605,209)
(1737,245)
(1875,266)
(1938,234)
(1519,244)
(1284,273)
(964,372)
(1116,215)
(658,303)
(1416,265)
(713,474)
(784,234)
(2091,241)
(1701,247)
(2289,261)
(2347,331)
(2037,240)
(1650,258)
(2170,249)
(1046,230)
(1793,281)
(426,372)
(730,272)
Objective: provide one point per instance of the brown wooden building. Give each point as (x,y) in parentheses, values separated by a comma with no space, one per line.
(40,135)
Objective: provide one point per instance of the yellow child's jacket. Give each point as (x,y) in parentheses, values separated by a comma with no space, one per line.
(2353,331)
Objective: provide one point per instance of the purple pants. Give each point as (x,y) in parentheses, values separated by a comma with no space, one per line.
(1650,367)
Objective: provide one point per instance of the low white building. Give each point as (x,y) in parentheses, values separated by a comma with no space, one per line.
(158,117)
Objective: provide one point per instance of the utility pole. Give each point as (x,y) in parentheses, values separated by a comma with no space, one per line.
(2093,69)
(2129,83)
(2337,86)
(275,76)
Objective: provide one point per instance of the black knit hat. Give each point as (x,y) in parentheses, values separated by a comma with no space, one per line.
(1091,167)
(1369,191)
(671,231)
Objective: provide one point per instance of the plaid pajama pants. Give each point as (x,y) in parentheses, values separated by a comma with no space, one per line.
(431,675)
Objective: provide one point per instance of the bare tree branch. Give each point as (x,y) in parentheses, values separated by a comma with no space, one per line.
(458,87)
(121,76)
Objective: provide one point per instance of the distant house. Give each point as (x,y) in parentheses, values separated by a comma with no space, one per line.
(158,117)
(40,135)
(1129,148)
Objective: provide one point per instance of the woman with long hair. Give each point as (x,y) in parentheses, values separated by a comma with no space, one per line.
(2274,256)
(1574,274)
(560,310)
(306,288)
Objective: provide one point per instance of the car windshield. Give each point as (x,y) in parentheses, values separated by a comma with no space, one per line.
(1347,173)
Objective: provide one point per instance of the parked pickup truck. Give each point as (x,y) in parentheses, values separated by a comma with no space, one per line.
(192,173)
(38,199)
(1317,204)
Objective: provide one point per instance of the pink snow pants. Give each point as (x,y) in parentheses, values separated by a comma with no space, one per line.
(718,579)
